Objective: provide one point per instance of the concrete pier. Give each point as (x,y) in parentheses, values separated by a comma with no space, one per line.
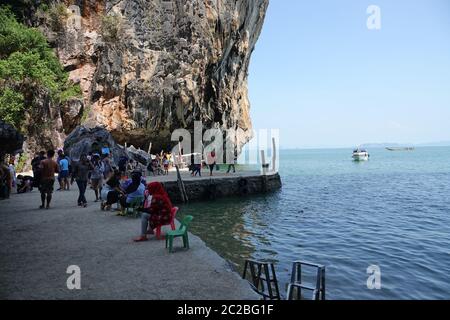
(220,185)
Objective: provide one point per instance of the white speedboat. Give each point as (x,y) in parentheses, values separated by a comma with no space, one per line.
(360,155)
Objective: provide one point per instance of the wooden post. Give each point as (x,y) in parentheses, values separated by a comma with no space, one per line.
(274,155)
(264,166)
(180,158)
(263,163)
(186,198)
(179,184)
(181,187)
(149,148)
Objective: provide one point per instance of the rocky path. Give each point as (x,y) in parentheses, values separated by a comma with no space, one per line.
(37,247)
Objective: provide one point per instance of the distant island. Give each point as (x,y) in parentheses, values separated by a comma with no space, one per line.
(382,145)
(405,145)
(386,145)
(434,144)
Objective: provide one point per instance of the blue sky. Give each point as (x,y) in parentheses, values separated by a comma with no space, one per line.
(325,80)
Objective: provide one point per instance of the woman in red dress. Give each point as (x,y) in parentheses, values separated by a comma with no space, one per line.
(157,212)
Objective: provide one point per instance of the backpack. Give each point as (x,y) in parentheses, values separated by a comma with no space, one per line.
(97,173)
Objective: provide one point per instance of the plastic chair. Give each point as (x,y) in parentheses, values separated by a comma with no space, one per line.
(134,206)
(181,232)
(173,214)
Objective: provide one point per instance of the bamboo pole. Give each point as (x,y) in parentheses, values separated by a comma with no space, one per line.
(184,191)
(264,171)
(180,158)
(263,163)
(274,155)
(149,148)
(181,186)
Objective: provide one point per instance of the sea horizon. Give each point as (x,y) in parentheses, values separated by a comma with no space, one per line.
(364,145)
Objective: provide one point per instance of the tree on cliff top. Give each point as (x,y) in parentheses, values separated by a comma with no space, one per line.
(27,65)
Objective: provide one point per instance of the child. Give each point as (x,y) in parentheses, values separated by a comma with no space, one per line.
(166,166)
(12,170)
(24,184)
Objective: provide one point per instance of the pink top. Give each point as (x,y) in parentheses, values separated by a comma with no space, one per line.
(210,159)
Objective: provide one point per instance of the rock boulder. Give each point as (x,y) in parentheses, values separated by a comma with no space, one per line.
(11,141)
(84,140)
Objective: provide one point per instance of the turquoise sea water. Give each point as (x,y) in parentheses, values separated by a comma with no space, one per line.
(392,211)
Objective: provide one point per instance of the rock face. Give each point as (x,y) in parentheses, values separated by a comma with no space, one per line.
(47,123)
(147,67)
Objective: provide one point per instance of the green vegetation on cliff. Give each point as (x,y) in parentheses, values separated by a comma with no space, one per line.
(28,66)
(111,28)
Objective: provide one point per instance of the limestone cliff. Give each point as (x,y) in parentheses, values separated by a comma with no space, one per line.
(147,67)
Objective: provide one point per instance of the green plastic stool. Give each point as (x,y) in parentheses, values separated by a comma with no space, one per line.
(134,206)
(181,232)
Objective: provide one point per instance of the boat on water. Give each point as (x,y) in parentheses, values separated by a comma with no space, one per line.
(360,155)
(400,148)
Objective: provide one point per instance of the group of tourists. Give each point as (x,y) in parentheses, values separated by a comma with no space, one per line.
(7,178)
(120,185)
(155,203)
(10,181)
(161,164)
(91,169)
(211,163)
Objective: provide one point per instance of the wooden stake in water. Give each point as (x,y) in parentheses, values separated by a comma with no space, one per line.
(265,166)
(274,155)
(149,148)
(181,186)
(263,163)
(180,158)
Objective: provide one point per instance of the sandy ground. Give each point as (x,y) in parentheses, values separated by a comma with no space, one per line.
(37,246)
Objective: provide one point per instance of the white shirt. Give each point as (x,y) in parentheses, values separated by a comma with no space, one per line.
(12,170)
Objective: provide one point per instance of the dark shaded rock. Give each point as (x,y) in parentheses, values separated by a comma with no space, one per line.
(11,140)
(84,140)
(138,155)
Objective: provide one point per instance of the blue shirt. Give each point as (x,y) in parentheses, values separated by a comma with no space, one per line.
(138,193)
(64,165)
